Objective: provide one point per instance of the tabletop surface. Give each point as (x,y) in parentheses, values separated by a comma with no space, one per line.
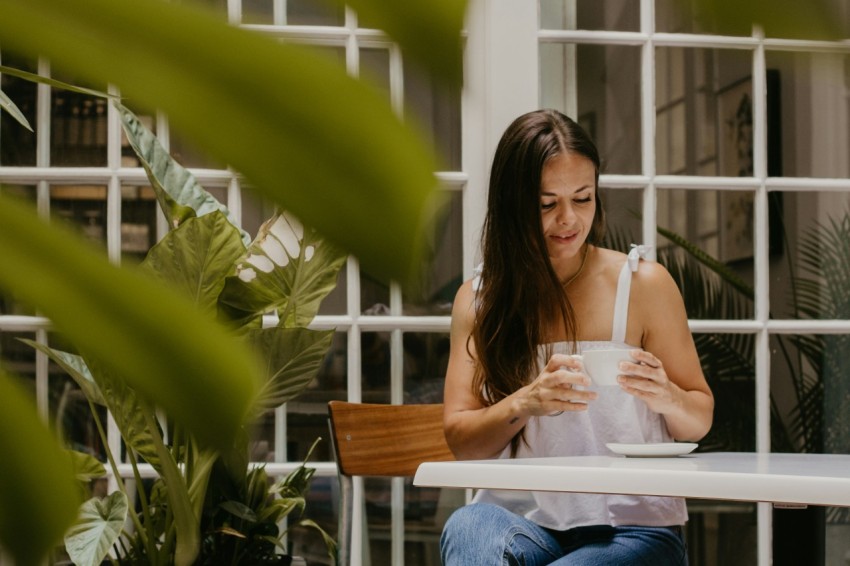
(816,479)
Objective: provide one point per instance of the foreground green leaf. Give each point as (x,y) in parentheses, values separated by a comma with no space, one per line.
(97,529)
(277,118)
(427,30)
(38,493)
(137,328)
(814,19)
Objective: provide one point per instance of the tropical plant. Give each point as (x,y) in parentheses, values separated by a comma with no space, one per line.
(280,109)
(206,503)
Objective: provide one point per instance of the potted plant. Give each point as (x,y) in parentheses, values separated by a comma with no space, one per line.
(207,506)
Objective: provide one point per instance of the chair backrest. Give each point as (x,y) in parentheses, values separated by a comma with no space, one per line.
(381,440)
(386,440)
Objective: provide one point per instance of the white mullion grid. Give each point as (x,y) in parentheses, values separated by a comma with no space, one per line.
(764,532)
(279,12)
(42,159)
(647,117)
(234,12)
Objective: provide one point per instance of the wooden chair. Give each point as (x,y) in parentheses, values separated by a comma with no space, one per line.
(381,440)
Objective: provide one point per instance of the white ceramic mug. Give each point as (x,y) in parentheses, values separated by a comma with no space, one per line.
(603,366)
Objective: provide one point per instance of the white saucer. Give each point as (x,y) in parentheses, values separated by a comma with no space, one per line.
(652,450)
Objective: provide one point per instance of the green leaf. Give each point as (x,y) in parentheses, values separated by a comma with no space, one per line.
(286,268)
(97,529)
(75,366)
(86,467)
(276,118)
(130,414)
(293,356)
(136,327)
(179,194)
(427,30)
(9,106)
(38,493)
(196,257)
(239,510)
(32,77)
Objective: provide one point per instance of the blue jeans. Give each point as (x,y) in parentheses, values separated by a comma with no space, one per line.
(488,535)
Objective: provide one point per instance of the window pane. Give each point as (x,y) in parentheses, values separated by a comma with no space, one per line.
(620,15)
(312,13)
(810,378)
(811,126)
(435,108)
(622,217)
(78,129)
(444,275)
(684,16)
(809,279)
(82,206)
(426,357)
(607,102)
(17,144)
(138,222)
(375,366)
(374,295)
(718,224)
(728,363)
(704,112)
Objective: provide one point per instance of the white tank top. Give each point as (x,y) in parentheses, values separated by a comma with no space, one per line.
(614,416)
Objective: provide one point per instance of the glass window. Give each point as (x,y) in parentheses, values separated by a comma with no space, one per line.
(812,121)
(138,221)
(620,15)
(444,274)
(691,16)
(809,277)
(435,109)
(78,129)
(81,206)
(426,357)
(606,101)
(17,144)
(704,112)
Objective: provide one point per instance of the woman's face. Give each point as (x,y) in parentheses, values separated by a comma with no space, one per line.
(568,204)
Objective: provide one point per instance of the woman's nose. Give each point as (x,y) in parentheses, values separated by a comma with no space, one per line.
(566,215)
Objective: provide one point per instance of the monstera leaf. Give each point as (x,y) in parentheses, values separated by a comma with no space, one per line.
(287,268)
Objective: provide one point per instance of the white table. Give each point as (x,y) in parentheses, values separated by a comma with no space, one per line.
(786,479)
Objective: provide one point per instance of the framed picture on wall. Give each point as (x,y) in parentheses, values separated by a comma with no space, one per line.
(735,159)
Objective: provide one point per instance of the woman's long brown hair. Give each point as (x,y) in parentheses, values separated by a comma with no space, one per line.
(521,297)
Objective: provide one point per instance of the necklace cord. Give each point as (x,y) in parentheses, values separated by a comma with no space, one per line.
(580,267)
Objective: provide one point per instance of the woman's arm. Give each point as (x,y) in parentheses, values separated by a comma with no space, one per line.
(668,376)
(474,431)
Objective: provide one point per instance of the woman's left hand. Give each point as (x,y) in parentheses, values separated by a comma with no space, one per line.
(646,379)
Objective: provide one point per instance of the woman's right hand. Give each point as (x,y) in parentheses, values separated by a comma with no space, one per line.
(559,387)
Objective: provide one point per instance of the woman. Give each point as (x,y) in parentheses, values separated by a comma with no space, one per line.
(545,290)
